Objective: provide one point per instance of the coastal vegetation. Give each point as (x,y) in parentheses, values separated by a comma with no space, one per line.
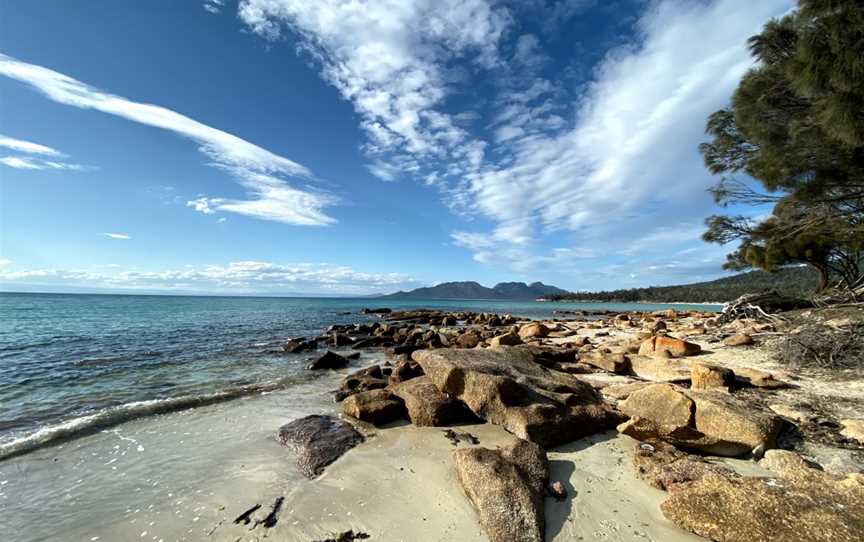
(795,126)
(797,282)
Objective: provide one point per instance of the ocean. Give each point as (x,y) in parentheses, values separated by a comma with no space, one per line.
(123,414)
(70,362)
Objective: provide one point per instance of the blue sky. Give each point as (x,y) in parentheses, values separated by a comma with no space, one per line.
(287,146)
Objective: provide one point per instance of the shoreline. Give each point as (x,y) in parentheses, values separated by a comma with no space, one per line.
(190,473)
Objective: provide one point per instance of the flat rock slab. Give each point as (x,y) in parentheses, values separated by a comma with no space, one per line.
(812,507)
(660,369)
(507,387)
(507,487)
(665,467)
(319,441)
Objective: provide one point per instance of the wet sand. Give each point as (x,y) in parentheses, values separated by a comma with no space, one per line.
(188,475)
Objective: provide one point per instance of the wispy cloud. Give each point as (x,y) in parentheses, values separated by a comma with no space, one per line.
(214,6)
(39,156)
(262,173)
(388,59)
(122,236)
(27,146)
(243,277)
(598,165)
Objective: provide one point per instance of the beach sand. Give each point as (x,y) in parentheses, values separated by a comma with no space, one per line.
(401,485)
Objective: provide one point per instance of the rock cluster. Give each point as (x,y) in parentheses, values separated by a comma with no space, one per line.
(507,387)
(717,424)
(551,382)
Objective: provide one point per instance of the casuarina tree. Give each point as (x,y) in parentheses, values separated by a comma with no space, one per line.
(795,126)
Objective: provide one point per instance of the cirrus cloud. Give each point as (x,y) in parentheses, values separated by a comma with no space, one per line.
(39,156)
(264,175)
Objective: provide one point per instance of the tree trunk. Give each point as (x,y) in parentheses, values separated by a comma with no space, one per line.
(823,279)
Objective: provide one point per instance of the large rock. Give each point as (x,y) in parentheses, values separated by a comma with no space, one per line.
(505,386)
(375,406)
(534,329)
(663,404)
(318,441)
(704,376)
(659,344)
(507,339)
(660,369)
(405,370)
(612,362)
(737,425)
(330,360)
(714,423)
(299,344)
(807,507)
(507,488)
(468,340)
(427,406)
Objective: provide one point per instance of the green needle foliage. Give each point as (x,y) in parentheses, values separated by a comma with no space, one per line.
(796,126)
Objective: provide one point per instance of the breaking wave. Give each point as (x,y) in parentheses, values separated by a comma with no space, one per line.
(112,416)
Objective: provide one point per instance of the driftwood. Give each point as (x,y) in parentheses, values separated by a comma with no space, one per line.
(841,297)
(762,306)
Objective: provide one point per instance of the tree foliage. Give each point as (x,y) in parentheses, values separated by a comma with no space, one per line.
(796,125)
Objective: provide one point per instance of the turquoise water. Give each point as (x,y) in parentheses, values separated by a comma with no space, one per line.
(73,362)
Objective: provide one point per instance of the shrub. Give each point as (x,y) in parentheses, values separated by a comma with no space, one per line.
(826,347)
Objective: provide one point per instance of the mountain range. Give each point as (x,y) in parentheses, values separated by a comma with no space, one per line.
(475,290)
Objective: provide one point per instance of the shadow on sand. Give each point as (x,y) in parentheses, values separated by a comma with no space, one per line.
(561,470)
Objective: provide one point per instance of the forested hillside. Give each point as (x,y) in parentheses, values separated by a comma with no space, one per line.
(792,281)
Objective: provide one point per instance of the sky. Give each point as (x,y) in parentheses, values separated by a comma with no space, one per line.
(356,147)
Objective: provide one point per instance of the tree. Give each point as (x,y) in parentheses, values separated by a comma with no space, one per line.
(796,126)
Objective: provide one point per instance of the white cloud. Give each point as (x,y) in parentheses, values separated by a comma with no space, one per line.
(214,6)
(5,262)
(263,173)
(387,58)
(117,236)
(202,205)
(40,156)
(384,171)
(19,162)
(621,164)
(27,146)
(243,277)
